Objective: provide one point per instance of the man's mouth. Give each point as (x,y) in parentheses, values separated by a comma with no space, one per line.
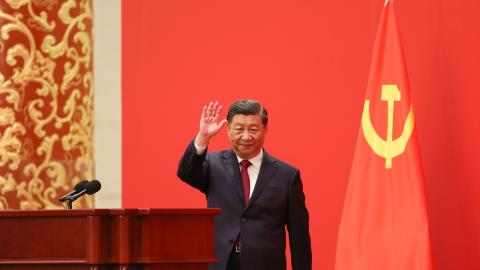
(246,145)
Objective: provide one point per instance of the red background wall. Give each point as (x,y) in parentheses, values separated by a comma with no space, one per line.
(308,62)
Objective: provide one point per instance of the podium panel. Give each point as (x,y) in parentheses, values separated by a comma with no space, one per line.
(97,239)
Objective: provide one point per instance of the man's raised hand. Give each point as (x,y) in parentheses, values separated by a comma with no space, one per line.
(208,123)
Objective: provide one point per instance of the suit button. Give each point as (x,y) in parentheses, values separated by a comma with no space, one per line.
(244,219)
(230,241)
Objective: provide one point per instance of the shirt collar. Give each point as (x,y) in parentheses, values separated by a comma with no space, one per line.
(256,160)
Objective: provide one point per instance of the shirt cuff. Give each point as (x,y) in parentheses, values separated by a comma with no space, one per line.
(199,149)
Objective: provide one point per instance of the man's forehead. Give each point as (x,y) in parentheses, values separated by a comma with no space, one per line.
(246,119)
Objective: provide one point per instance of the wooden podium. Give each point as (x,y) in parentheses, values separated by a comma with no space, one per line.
(98,239)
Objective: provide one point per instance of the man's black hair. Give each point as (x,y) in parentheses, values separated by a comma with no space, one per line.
(248,107)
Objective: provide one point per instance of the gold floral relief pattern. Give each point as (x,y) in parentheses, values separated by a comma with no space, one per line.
(46,101)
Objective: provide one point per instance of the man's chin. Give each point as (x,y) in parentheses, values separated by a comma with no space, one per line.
(246,153)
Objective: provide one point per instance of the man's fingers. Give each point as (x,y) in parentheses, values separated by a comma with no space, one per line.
(219,110)
(209,109)
(214,109)
(217,113)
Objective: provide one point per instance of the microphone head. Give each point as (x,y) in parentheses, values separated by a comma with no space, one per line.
(80,185)
(92,187)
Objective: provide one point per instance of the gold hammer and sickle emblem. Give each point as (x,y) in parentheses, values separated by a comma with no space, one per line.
(390,148)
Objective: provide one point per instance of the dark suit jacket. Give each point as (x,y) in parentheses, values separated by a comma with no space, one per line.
(277,201)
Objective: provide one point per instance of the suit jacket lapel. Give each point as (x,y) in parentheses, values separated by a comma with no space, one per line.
(267,170)
(230,162)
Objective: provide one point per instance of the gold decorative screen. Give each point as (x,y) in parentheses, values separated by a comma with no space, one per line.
(46,101)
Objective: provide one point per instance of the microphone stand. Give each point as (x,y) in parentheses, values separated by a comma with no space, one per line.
(69,203)
(70,199)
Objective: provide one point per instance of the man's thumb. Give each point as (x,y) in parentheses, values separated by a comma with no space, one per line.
(222,123)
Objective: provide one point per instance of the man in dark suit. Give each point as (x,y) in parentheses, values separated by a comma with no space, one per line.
(259,195)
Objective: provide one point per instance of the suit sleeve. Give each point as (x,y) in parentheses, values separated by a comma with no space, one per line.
(193,169)
(298,227)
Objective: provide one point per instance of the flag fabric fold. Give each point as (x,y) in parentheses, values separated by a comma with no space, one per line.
(384,223)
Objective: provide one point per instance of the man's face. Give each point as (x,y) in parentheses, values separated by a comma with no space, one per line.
(246,134)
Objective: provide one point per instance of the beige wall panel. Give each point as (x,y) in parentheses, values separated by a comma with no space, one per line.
(107,70)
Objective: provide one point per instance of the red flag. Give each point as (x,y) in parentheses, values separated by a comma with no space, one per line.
(384,223)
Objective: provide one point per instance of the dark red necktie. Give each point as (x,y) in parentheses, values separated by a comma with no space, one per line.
(246,192)
(245,179)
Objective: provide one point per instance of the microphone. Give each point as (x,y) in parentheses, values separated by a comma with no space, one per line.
(90,188)
(78,187)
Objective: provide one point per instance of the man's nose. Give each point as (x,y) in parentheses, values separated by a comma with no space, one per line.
(246,136)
